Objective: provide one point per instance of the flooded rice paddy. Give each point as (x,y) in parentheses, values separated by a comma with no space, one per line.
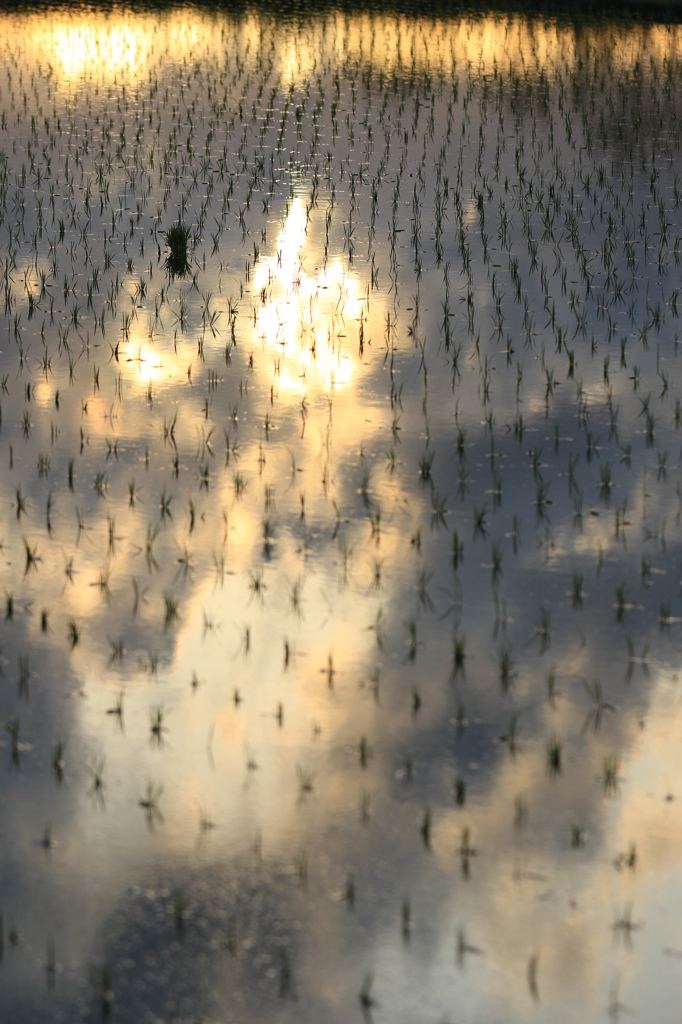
(340,563)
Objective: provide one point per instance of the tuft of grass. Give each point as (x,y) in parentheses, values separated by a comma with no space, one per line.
(177,241)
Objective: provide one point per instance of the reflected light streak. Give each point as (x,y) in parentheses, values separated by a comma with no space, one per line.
(146,361)
(294,312)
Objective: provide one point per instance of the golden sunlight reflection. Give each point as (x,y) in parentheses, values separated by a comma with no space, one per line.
(311,310)
(105,45)
(147,362)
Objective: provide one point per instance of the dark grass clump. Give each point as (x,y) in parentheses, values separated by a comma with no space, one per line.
(177,241)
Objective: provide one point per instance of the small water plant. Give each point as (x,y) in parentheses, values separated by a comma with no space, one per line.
(177,239)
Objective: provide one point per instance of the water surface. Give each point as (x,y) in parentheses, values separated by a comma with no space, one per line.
(341,573)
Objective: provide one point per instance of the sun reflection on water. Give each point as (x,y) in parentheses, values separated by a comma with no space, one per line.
(294,309)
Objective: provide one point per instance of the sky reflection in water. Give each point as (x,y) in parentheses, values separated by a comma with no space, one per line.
(340,642)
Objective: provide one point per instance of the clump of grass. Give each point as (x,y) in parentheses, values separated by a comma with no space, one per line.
(177,241)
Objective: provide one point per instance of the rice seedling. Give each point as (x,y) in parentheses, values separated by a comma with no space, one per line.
(103,991)
(598,705)
(412,643)
(306,782)
(157,728)
(627,860)
(554,748)
(624,927)
(532,975)
(543,630)
(610,776)
(57,761)
(480,523)
(406,920)
(74,634)
(349,891)
(97,785)
(425,828)
(47,842)
(179,913)
(466,851)
(577,590)
(301,867)
(367,1001)
(506,666)
(510,737)
(287,987)
(171,615)
(364,751)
